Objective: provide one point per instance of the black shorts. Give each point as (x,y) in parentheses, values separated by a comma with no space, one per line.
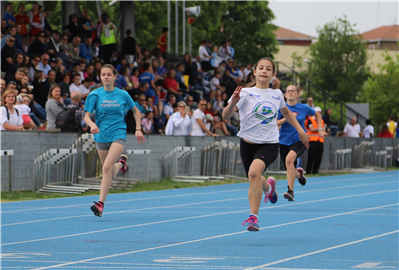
(297,147)
(265,152)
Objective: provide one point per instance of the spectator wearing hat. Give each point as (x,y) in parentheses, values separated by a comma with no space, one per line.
(53,47)
(7,54)
(67,62)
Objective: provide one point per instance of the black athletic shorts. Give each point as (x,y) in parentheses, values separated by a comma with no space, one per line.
(265,152)
(297,147)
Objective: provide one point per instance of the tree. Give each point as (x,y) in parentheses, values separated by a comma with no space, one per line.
(339,60)
(248,23)
(381,90)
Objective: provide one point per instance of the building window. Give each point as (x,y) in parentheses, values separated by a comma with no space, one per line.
(372,47)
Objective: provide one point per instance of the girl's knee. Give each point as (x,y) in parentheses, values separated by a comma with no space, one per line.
(107,168)
(254,177)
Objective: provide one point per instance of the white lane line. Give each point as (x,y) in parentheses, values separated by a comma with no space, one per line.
(195,217)
(322,250)
(127,211)
(210,238)
(122,201)
(175,196)
(162,207)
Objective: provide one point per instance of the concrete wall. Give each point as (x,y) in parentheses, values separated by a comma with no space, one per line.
(30,144)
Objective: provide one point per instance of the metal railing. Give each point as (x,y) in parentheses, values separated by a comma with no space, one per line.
(179,161)
(59,162)
(220,158)
(361,154)
(342,159)
(9,154)
(321,94)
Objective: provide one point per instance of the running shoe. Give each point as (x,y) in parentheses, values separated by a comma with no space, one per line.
(271,196)
(123,160)
(302,178)
(97,208)
(252,223)
(289,195)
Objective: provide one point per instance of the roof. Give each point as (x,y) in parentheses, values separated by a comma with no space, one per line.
(390,32)
(285,34)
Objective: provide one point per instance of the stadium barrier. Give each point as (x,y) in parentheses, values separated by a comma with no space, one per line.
(8,153)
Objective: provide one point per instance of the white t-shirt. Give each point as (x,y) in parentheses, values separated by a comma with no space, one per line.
(81,89)
(197,130)
(247,71)
(368,130)
(352,131)
(15,119)
(181,126)
(22,108)
(215,81)
(240,74)
(258,114)
(168,109)
(201,51)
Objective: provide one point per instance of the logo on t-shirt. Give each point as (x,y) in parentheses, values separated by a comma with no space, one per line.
(252,95)
(277,98)
(110,103)
(265,111)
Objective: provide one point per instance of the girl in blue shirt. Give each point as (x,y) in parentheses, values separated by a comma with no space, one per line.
(291,146)
(111,104)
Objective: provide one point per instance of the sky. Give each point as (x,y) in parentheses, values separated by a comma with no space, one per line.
(305,16)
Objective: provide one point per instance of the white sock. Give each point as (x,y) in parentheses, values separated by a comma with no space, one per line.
(255,215)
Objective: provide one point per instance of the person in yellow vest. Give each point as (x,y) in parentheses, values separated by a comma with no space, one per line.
(316,144)
(107,36)
(392,125)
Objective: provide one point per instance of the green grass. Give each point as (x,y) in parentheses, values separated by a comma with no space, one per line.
(139,187)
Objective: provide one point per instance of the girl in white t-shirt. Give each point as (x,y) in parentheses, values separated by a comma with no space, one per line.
(11,118)
(23,108)
(259,145)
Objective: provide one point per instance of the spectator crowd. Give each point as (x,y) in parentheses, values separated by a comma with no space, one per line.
(45,72)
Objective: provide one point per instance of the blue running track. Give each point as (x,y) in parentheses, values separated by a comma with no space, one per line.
(335,222)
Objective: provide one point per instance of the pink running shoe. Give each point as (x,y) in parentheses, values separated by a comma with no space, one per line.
(97,208)
(252,223)
(123,160)
(272,195)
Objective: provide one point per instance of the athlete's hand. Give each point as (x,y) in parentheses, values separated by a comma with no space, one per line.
(236,95)
(140,136)
(323,134)
(94,129)
(304,138)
